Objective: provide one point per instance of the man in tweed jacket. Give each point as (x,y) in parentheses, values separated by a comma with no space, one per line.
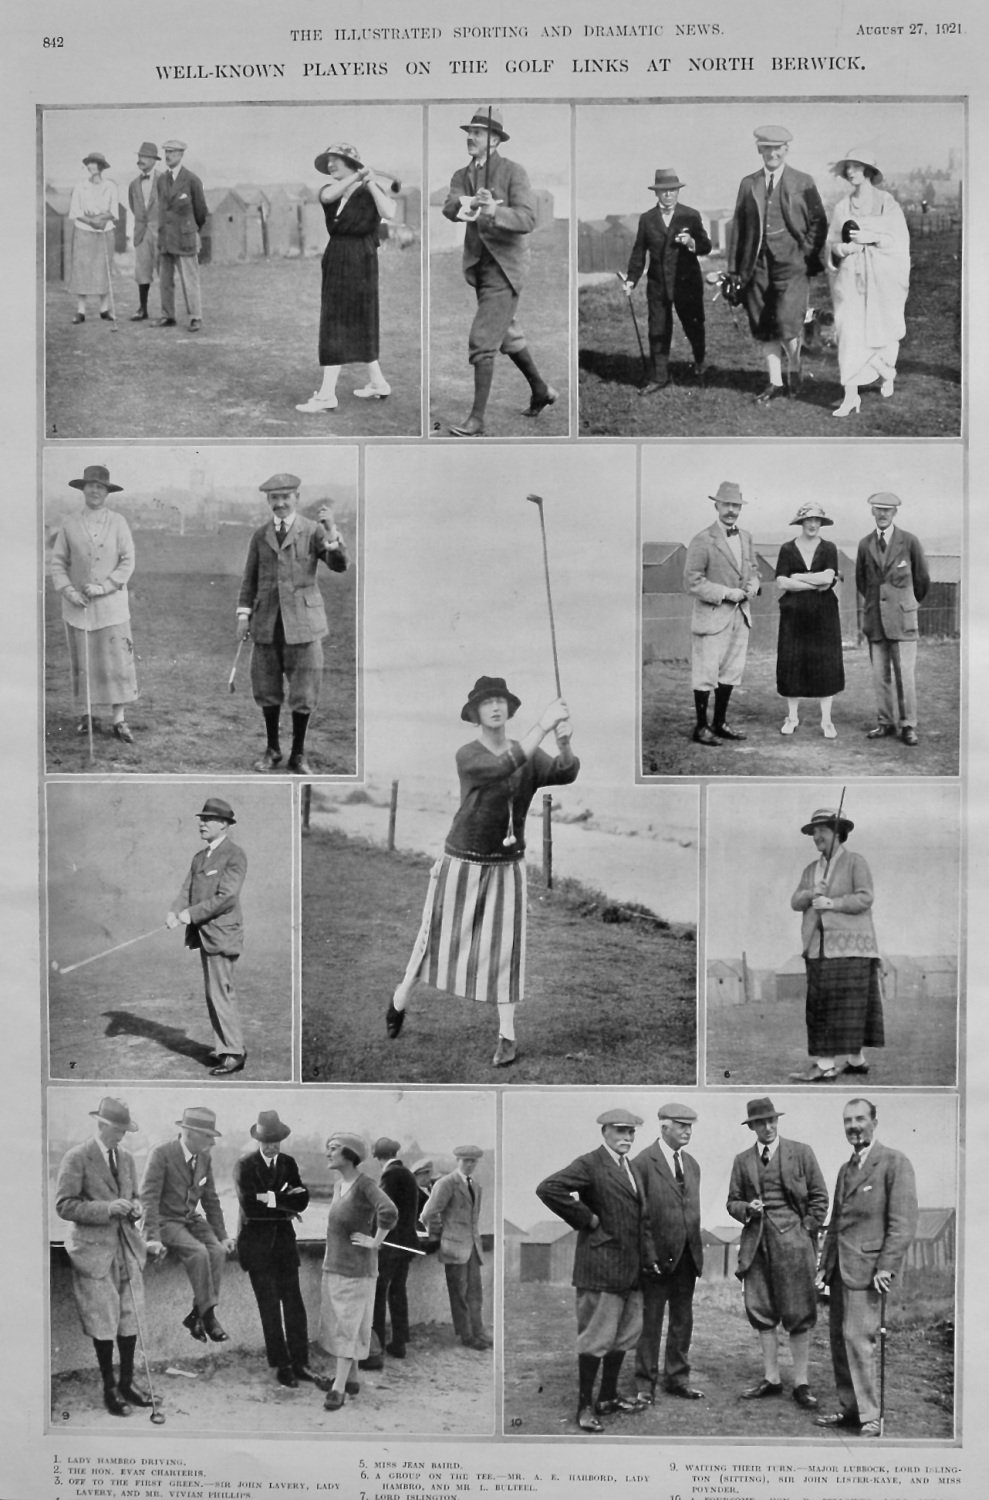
(452,1219)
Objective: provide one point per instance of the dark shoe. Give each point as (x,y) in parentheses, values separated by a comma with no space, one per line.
(794,383)
(108,317)
(139,317)
(394,1020)
(540,403)
(619,1404)
(194,1323)
(229,1064)
(881,732)
(764,1388)
(83,725)
(804,1396)
(816,1075)
(685,1392)
(725,732)
(122,731)
(473,427)
(480,1343)
(373,1362)
(135,1396)
(79,318)
(195,324)
(164,323)
(353,1387)
(861,1069)
(285,1375)
(587,1421)
(299,766)
(334,1400)
(908,735)
(303,1372)
(838,1419)
(269,760)
(770,393)
(114,1402)
(645,1398)
(703,736)
(214,1328)
(397,1351)
(506,1053)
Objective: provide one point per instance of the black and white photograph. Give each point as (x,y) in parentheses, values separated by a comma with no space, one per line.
(260,266)
(499,683)
(168,930)
(337,1248)
(833,933)
(777,1269)
(201,610)
(802,263)
(499,270)
(801,610)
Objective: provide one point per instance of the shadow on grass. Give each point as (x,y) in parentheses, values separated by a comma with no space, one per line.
(169,1038)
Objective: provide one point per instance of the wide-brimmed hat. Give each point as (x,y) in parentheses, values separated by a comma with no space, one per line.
(197,1117)
(810,510)
(729,492)
(280,482)
(619,1117)
(215,807)
(95,474)
(174,146)
(98,158)
(148,148)
(885,499)
(665,179)
(761,1109)
(270,1128)
(344,150)
(495,125)
(827,817)
(355,1143)
(489,687)
(675,1111)
(864,157)
(113,1112)
(772,135)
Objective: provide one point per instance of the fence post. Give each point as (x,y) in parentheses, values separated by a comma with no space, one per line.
(306,806)
(547,841)
(392,814)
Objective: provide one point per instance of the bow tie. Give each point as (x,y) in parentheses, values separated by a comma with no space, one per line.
(145,176)
(732,530)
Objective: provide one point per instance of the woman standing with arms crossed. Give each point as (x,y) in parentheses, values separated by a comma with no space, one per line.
(808,652)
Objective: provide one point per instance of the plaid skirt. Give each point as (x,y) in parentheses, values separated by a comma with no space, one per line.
(471,940)
(844,1005)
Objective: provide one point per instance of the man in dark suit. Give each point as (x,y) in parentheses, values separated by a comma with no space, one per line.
(669,1181)
(778,232)
(271,1194)
(493,196)
(873,1220)
(778,1193)
(597,1195)
(208,906)
(892,578)
(96,1192)
(395,1255)
(452,1219)
(670,236)
(281,607)
(142,197)
(722,575)
(178,1182)
(182,213)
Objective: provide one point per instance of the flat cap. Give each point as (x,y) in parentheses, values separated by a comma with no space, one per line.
(772,135)
(174,146)
(475,1151)
(675,1111)
(885,498)
(280,482)
(424,1164)
(618,1117)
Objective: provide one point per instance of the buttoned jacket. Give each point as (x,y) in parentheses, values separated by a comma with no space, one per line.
(398,1183)
(172,1194)
(672,267)
(710,570)
(182,210)
(893,584)
(265,1236)
(672,1211)
(802,212)
(211,893)
(451,1218)
(505,233)
(873,1219)
(610,1254)
(281,581)
(84,1191)
(803,1186)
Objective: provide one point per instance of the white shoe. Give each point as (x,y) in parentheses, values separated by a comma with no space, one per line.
(790,726)
(317,402)
(848,407)
(829,732)
(886,389)
(372,392)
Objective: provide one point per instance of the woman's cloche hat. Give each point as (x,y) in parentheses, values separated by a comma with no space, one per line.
(827,817)
(809,511)
(344,150)
(489,687)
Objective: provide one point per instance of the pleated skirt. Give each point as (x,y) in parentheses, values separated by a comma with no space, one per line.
(471,939)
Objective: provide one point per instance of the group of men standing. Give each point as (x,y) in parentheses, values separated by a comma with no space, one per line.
(170,210)
(639,1254)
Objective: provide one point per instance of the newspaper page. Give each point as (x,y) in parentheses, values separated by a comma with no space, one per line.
(501,581)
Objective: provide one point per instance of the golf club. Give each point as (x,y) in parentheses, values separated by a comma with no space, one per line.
(109,282)
(70,968)
(157,1417)
(834,843)
(89,691)
(882,1363)
(635,324)
(233,670)
(538,501)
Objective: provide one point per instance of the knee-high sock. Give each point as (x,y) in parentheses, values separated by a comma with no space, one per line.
(300,723)
(104,1358)
(587,1369)
(722,693)
(610,1367)
(770,1354)
(271,718)
(483,376)
(701,700)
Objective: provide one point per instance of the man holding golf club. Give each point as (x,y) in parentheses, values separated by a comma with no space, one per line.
(873,1221)
(722,574)
(96,1193)
(670,237)
(280,606)
(182,212)
(208,906)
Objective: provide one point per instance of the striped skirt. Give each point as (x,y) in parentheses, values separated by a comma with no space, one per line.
(471,940)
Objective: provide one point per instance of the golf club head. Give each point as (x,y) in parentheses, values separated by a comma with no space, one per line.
(157,1417)
(535,499)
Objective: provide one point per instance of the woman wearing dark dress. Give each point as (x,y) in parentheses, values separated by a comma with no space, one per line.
(471,940)
(808,654)
(353,204)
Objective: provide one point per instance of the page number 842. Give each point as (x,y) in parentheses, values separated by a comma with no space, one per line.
(53,41)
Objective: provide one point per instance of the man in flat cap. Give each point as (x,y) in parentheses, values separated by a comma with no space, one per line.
(142,196)
(208,906)
(182,213)
(452,1217)
(722,575)
(597,1194)
(493,196)
(96,1193)
(395,1256)
(281,607)
(422,1171)
(178,1183)
(669,1180)
(892,579)
(872,1224)
(670,237)
(777,236)
(777,1192)
(271,1195)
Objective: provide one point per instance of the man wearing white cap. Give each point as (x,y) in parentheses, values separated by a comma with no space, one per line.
(182,213)
(778,233)
(722,575)
(452,1219)
(892,578)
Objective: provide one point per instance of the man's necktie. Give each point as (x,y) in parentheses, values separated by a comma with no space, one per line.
(769,189)
(678,1168)
(112,1154)
(470,1189)
(882,541)
(628,1174)
(765,1156)
(856,1159)
(732,530)
(193,1163)
(282,529)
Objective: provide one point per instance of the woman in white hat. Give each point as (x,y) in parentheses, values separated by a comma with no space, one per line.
(93,209)
(354,204)
(808,651)
(868,259)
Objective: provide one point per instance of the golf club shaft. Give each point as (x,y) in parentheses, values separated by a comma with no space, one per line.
(487,153)
(537,500)
(233,669)
(109,280)
(635,321)
(837,826)
(89,691)
(882,1362)
(115,949)
(155,1415)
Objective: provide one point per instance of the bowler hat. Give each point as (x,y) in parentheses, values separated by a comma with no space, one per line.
(864,158)
(772,135)
(148,148)
(619,1117)
(173,146)
(729,492)
(98,158)
(474,1151)
(114,1112)
(827,817)
(385,1147)
(760,1109)
(355,1143)
(269,1127)
(280,482)
(95,474)
(346,152)
(666,178)
(674,1111)
(489,687)
(215,807)
(882,498)
(489,118)
(808,511)
(197,1117)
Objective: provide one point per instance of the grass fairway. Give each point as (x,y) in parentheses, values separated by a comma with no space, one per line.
(604,1003)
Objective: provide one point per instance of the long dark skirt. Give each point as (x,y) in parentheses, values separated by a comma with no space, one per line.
(808,651)
(348,312)
(844,1006)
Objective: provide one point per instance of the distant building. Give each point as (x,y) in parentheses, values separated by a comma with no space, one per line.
(546,1254)
(720,1251)
(933,1246)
